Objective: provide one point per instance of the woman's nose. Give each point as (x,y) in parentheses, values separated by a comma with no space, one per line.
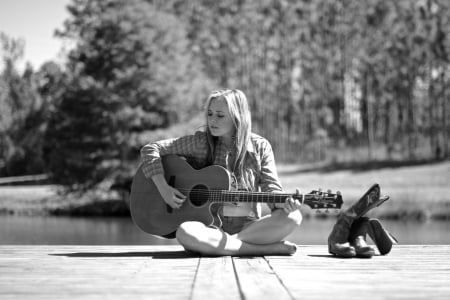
(213,120)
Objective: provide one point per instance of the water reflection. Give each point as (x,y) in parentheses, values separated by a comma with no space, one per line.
(316,231)
(73,231)
(121,231)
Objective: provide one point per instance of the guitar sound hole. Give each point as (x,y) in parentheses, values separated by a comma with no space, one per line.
(199,195)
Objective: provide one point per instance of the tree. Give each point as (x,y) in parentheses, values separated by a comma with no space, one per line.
(130,72)
(22,121)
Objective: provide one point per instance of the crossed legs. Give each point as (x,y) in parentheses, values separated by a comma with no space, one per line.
(261,237)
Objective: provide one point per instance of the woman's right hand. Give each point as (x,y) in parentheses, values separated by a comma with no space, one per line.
(173,197)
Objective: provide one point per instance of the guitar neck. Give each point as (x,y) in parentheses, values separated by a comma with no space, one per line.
(261,197)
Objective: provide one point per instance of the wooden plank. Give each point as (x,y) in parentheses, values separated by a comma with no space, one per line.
(257,280)
(167,272)
(408,272)
(215,279)
(50,272)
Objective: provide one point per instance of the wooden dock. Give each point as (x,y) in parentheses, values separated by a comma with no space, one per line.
(167,272)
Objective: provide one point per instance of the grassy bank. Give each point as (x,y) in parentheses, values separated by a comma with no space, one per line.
(50,200)
(417,192)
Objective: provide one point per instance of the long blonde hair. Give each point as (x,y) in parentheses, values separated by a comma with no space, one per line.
(240,113)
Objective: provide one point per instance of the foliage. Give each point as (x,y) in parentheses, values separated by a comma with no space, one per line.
(322,77)
(129,72)
(23,114)
(330,73)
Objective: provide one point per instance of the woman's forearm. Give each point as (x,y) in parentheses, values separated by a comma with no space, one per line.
(160,181)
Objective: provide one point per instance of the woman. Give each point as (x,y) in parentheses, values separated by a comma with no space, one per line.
(229,142)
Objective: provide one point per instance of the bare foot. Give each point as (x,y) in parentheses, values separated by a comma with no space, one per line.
(283,248)
(290,247)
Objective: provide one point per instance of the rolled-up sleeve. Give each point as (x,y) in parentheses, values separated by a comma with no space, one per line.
(269,181)
(190,145)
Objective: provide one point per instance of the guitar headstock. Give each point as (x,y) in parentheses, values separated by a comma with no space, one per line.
(317,199)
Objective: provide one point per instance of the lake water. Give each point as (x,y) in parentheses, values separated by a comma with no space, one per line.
(23,230)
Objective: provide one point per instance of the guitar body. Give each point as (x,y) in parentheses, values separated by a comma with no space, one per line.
(204,189)
(151,214)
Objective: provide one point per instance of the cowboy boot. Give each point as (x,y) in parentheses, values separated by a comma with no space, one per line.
(357,238)
(380,236)
(338,239)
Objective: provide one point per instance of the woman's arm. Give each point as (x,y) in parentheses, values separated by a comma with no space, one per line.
(191,146)
(270,181)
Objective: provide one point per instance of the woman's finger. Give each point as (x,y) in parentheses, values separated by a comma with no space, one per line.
(179,195)
(177,203)
(292,204)
(288,205)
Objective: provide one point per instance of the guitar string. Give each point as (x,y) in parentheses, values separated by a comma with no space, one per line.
(242,193)
(249,192)
(243,196)
(212,191)
(217,196)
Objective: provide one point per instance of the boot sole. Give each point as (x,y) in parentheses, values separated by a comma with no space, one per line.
(349,254)
(368,253)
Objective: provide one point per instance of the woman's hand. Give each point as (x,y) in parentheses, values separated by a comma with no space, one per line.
(292,204)
(173,197)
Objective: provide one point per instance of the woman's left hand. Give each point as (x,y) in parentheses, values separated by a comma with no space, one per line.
(292,204)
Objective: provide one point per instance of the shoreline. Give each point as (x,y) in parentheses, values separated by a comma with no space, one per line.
(47,201)
(418,193)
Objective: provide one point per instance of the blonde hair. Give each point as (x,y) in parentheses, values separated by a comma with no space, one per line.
(240,113)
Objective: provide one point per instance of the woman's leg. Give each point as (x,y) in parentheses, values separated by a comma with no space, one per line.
(195,236)
(271,228)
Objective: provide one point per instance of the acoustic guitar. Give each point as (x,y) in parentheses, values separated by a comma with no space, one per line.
(203,188)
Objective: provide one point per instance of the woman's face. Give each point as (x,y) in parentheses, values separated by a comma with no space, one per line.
(220,122)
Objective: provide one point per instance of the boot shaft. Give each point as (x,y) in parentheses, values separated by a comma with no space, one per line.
(369,200)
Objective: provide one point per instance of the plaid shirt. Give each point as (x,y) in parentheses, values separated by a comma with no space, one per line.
(259,165)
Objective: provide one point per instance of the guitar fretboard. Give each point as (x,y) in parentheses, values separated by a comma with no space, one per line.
(242,196)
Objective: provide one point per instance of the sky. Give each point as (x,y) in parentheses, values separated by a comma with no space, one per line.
(35,21)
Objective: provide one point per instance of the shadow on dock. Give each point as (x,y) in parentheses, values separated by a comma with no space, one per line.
(149,254)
